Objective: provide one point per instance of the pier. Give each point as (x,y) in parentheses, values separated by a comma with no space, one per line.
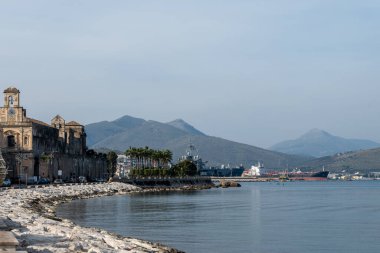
(243,179)
(170,182)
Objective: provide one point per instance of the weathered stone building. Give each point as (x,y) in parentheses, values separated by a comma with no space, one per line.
(35,148)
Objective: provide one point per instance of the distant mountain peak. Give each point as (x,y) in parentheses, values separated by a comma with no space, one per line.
(128,122)
(127,118)
(179,121)
(317,130)
(316,133)
(184,126)
(320,143)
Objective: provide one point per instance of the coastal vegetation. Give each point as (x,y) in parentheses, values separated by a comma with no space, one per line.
(111,163)
(185,168)
(149,158)
(147,162)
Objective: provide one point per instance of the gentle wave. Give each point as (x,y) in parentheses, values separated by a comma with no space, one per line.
(293,217)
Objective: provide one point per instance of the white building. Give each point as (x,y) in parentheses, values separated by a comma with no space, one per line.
(123,166)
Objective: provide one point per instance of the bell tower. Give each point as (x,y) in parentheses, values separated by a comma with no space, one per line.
(12,111)
(11,97)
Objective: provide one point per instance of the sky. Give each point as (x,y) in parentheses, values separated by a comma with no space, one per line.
(253,71)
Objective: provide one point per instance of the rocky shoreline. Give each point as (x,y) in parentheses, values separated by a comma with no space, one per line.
(30,215)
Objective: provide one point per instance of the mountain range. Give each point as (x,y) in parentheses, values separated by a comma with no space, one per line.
(363,160)
(176,136)
(312,151)
(319,143)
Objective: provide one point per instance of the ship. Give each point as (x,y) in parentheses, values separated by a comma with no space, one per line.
(258,171)
(298,175)
(309,176)
(222,171)
(254,171)
(204,170)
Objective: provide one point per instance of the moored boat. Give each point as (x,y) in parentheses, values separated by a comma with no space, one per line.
(309,176)
(254,171)
(296,175)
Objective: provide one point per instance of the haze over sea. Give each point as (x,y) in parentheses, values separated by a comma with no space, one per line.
(294,217)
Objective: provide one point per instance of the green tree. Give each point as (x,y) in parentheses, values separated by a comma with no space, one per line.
(167,157)
(111,163)
(154,160)
(185,168)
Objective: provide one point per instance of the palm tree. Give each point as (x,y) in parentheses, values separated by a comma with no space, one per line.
(133,155)
(167,156)
(148,152)
(149,158)
(156,156)
(140,157)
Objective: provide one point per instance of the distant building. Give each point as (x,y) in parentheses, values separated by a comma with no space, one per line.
(124,165)
(374,174)
(34,148)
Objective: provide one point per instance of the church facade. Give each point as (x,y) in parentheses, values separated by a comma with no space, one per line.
(33,148)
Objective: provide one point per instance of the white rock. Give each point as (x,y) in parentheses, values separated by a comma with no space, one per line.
(41,234)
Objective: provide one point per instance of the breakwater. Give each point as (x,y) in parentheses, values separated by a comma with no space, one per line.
(30,215)
(167,183)
(243,179)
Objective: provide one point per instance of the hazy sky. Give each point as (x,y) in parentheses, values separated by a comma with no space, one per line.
(253,71)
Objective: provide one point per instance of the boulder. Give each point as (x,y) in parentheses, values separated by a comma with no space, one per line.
(229,183)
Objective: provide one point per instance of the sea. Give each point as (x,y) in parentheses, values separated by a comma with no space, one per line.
(289,217)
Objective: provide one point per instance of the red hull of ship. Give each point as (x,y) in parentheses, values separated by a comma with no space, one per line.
(309,178)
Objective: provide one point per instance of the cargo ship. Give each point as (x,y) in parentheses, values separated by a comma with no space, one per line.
(260,173)
(309,176)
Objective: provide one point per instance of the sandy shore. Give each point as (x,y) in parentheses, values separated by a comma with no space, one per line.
(30,214)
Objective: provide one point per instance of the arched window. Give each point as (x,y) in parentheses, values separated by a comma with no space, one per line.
(10,99)
(11,141)
(25,140)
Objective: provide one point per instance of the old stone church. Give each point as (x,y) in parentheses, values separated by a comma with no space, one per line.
(34,148)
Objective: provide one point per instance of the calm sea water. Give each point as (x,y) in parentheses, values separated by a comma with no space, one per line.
(294,217)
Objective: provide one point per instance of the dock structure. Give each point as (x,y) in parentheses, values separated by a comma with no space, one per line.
(169,182)
(242,179)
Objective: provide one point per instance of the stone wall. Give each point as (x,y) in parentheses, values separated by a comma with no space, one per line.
(48,166)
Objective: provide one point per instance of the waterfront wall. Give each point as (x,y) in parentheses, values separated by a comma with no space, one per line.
(168,182)
(72,166)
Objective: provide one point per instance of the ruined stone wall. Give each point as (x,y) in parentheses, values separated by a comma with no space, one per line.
(74,166)
(19,164)
(45,140)
(76,140)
